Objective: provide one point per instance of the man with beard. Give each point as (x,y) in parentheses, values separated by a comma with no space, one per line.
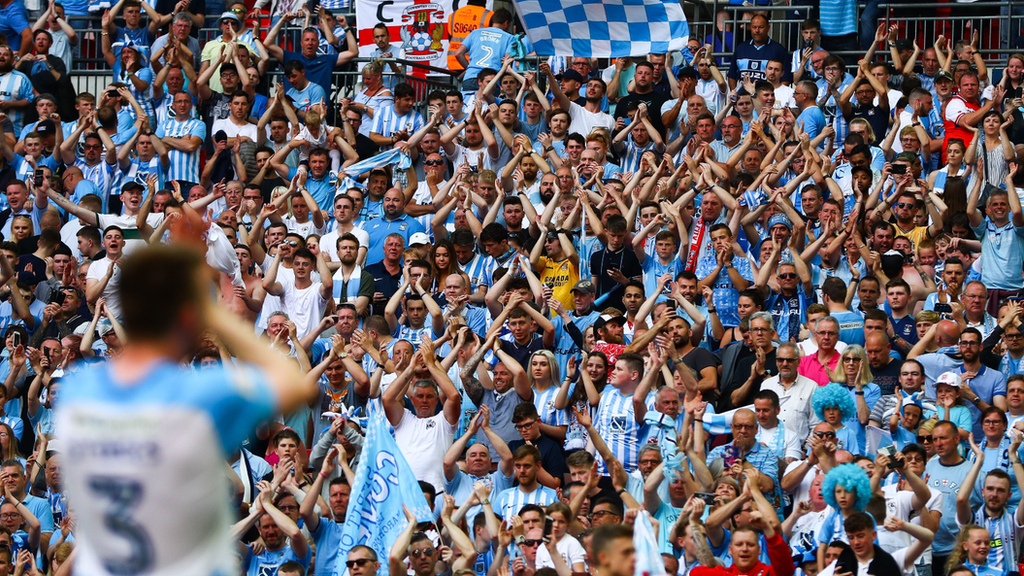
(326,532)
(587,117)
(394,221)
(703,363)
(282,538)
(643,93)
(479,147)
(526,460)
(17,95)
(352,284)
(344,218)
(1008,331)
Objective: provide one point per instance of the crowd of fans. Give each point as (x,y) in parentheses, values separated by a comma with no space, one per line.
(775,307)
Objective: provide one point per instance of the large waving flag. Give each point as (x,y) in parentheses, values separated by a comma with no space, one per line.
(604,28)
(383,483)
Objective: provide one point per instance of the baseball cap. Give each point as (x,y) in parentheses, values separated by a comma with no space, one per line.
(605,319)
(903,44)
(585,286)
(132,185)
(45,96)
(944,75)
(419,238)
(687,72)
(229,15)
(949,379)
(54,446)
(570,75)
(45,127)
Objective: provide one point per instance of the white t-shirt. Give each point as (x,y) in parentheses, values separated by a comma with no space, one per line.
(803,490)
(784,97)
(305,306)
(97,271)
(477,159)
(899,503)
(424,442)
(69,236)
(133,240)
(584,121)
(329,242)
(568,547)
(304,229)
(233,130)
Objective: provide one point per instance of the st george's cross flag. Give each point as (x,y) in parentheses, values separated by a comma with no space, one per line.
(604,28)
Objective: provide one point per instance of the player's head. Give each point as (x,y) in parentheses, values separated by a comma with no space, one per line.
(172,277)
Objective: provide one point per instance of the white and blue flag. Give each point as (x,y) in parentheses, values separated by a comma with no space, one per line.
(648,557)
(384,482)
(604,28)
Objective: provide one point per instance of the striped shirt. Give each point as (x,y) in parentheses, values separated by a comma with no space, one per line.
(480,271)
(616,423)
(631,159)
(145,96)
(1004,538)
(512,500)
(411,334)
(184,165)
(387,121)
(101,174)
(16,86)
(545,403)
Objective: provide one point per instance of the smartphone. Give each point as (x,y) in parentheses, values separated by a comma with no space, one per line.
(17,339)
(732,455)
(899,168)
(548,527)
(1015,299)
(707,497)
(58,298)
(37,178)
(943,308)
(808,44)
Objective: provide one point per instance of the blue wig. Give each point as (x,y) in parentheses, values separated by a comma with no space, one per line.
(851,477)
(833,396)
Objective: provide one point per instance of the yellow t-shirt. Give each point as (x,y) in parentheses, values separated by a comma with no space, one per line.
(561,275)
(915,234)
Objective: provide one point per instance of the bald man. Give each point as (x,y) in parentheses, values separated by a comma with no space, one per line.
(76,186)
(884,367)
(946,334)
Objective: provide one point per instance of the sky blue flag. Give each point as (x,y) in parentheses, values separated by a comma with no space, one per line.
(383,483)
(395,157)
(648,557)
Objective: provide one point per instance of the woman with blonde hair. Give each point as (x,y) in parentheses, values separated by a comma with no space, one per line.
(9,444)
(971,550)
(374,96)
(854,374)
(543,374)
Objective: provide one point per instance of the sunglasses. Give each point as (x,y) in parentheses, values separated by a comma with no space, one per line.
(532,543)
(787,360)
(433,162)
(825,434)
(353,563)
(428,552)
(292,243)
(788,276)
(923,439)
(904,205)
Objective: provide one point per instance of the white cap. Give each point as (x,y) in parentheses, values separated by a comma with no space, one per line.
(949,379)
(419,238)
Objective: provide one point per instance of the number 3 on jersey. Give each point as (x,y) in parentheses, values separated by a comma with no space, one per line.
(123,496)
